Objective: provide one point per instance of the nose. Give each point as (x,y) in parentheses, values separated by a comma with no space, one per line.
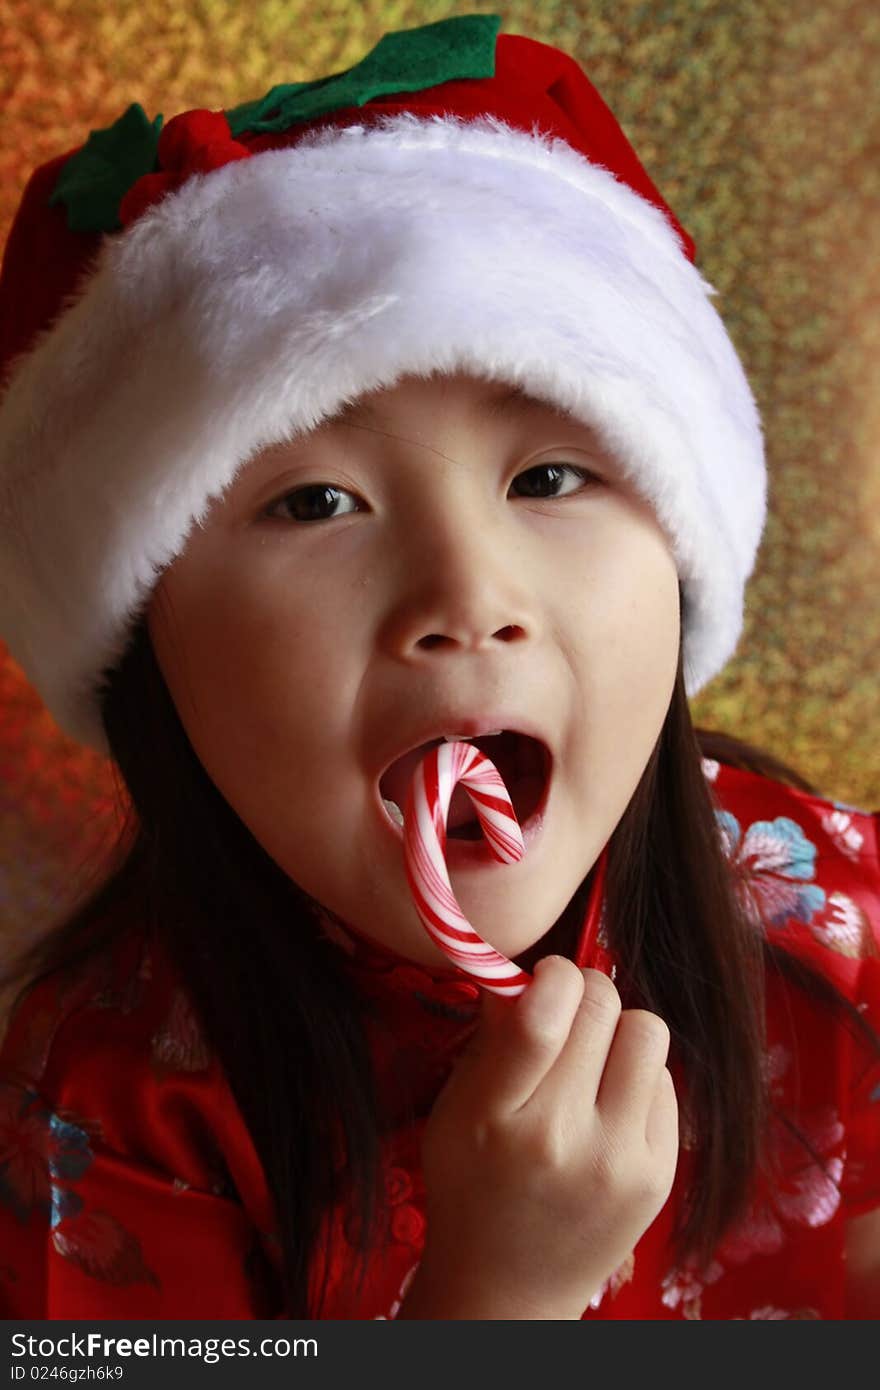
(462,587)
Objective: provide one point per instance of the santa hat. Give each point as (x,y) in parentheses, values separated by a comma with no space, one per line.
(174,299)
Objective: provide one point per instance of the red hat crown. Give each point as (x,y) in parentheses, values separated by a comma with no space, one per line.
(460,65)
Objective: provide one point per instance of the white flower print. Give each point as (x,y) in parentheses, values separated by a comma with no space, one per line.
(776,1314)
(845,928)
(775,1063)
(682,1286)
(622,1275)
(838,826)
(805,1193)
(180,1043)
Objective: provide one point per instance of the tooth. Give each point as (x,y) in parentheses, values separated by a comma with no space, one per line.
(466,738)
(393,810)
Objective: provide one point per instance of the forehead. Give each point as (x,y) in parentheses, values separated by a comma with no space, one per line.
(482,403)
(481,400)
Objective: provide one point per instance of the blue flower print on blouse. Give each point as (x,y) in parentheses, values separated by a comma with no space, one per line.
(36,1147)
(774,862)
(70,1155)
(41,1152)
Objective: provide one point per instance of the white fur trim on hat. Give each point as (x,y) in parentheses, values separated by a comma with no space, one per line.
(255,300)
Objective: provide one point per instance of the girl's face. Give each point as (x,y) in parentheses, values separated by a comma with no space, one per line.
(422,555)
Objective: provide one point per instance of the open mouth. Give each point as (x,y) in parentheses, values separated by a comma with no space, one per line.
(524,764)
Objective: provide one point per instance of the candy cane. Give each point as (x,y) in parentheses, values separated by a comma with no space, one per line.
(424,840)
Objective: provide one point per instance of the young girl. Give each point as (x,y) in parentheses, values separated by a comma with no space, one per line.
(385,408)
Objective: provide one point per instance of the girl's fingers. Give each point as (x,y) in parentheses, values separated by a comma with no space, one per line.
(637,1055)
(661,1126)
(518,1042)
(573,1081)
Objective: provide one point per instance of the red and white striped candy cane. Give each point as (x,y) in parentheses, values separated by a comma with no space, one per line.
(424,841)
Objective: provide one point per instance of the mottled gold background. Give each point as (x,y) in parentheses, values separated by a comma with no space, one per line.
(760,124)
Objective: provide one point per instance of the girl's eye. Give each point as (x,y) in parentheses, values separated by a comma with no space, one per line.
(557,470)
(316,501)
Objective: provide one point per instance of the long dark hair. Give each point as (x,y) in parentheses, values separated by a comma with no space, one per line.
(273,1006)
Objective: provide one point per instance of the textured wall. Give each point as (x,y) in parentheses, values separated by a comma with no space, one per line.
(760,124)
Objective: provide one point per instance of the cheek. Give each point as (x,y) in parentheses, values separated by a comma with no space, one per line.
(273,702)
(649,649)
(626,627)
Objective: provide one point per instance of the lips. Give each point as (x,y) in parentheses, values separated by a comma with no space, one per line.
(524,764)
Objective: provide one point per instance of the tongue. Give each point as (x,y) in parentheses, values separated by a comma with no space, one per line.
(461,810)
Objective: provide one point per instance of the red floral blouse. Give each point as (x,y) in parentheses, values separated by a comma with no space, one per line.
(130,1188)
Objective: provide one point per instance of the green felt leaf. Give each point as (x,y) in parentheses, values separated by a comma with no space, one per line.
(405,61)
(94,180)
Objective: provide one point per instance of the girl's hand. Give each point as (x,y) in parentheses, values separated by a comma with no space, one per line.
(551,1148)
